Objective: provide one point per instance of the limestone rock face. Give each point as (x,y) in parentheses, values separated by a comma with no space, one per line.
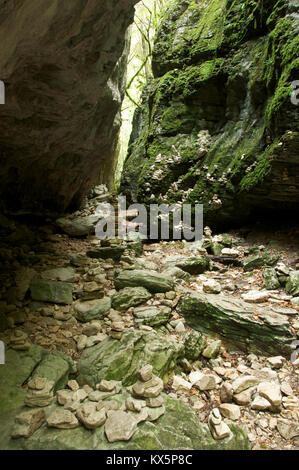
(233,320)
(218,126)
(122,360)
(63,64)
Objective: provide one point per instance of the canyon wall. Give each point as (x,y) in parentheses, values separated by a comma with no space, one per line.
(63,64)
(217,125)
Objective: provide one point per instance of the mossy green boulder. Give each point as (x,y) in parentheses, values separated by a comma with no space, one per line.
(51,291)
(129,297)
(122,359)
(92,309)
(292,285)
(178,429)
(233,321)
(20,366)
(217,125)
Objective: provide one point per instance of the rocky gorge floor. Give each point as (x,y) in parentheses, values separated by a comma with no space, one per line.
(170,345)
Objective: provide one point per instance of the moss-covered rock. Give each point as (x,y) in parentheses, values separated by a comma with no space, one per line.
(129,297)
(222,69)
(51,291)
(178,429)
(151,280)
(194,345)
(233,321)
(270,279)
(122,359)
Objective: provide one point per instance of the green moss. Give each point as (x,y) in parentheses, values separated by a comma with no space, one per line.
(207,35)
(261,171)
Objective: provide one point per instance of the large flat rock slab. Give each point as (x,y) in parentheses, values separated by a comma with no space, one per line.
(151,280)
(122,359)
(179,428)
(250,329)
(51,291)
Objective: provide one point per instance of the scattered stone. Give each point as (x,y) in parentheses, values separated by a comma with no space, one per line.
(171,295)
(155,402)
(130,297)
(152,316)
(79,226)
(28,422)
(290,403)
(244,398)
(230,252)
(91,291)
(271,391)
(90,330)
(218,428)
(135,405)
(51,291)
(151,280)
(276,362)
(288,429)
(72,405)
(181,384)
(80,395)
(193,265)
(63,396)
(286,388)
(195,376)
(226,393)
(292,285)
(107,385)
(180,327)
(260,403)
(176,273)
(253,262)
(59,274)
(92,309)
(82,342)
(194,345)
(19,340)
(150,389)
(211,287)
(154,413)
